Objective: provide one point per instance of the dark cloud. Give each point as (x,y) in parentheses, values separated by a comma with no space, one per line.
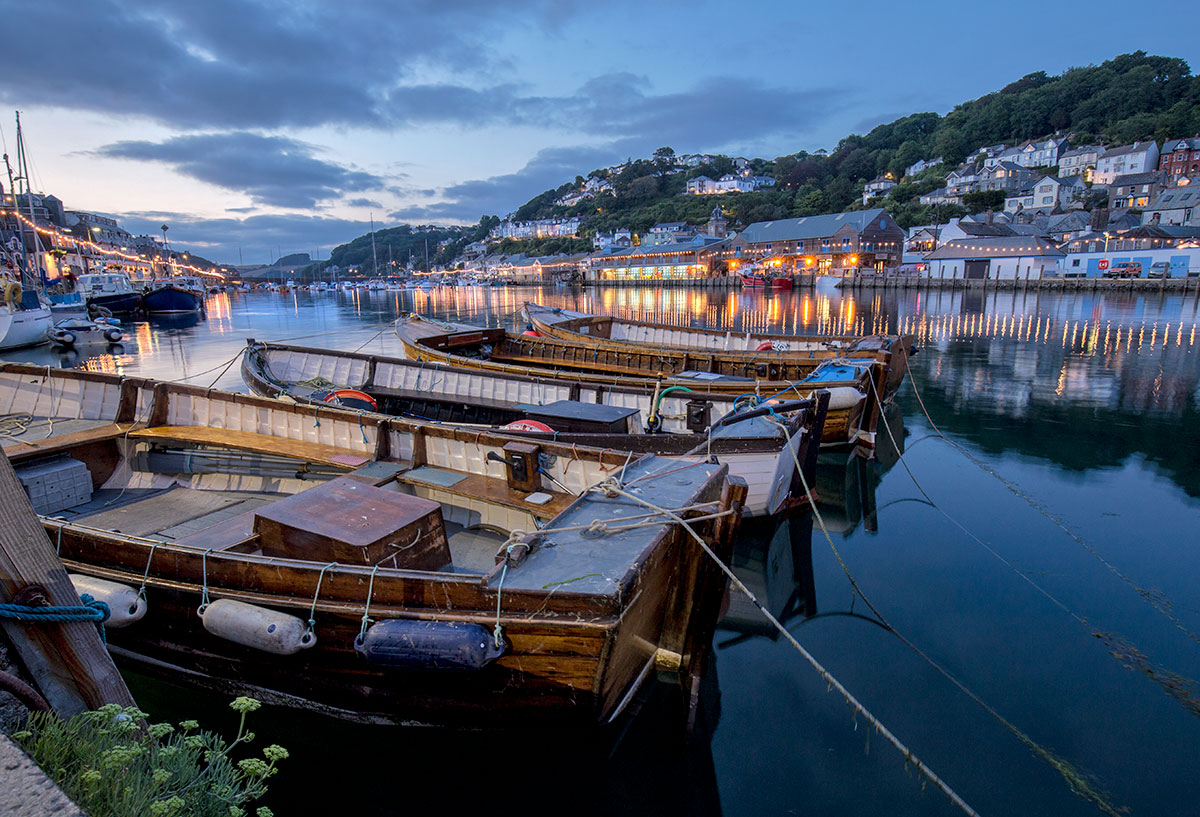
(272,170)
(258,239)
(246,63)
(364,203)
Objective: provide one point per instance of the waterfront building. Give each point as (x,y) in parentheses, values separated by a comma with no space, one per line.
(1180,157)
(691,261)
(1012,257)
(838,241)
(1119,161)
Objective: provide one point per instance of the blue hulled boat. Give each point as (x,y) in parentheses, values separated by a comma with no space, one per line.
(173,296)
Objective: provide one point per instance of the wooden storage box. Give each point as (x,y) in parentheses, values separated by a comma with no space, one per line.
(350,521)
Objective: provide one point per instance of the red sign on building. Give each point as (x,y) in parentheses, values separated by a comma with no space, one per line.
(1103,263)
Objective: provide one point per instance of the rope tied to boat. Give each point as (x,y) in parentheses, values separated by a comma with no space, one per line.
(204,600)
(311,632)
(141,593)
(498,630)
(366,616)
(89,609)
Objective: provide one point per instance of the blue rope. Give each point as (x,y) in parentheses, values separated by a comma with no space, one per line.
(89,610)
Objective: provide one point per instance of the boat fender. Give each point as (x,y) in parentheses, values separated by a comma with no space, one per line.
(532,333)
(765,346)
(12,292)
(124,604)
(63,337)
(445,645)
(844,397)
(257,627)
(113,335)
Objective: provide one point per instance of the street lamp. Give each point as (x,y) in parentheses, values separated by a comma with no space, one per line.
(1105,242)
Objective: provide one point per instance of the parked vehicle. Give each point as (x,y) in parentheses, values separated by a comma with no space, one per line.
(1159,269)
(1125,269)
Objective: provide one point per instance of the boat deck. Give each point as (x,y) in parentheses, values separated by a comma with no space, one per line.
(224,520)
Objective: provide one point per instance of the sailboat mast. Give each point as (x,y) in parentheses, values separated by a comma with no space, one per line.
(12,186)
(23,161)
(374,257)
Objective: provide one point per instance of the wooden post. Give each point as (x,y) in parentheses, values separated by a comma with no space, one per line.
(67,662)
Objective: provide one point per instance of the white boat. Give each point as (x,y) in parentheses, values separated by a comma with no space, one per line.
(23,327)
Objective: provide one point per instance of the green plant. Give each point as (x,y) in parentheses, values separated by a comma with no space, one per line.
(112,765)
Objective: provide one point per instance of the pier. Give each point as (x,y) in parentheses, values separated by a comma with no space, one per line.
(876,282)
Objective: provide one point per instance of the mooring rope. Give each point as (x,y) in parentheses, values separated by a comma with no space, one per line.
(89,609)
(611,487)
(1156,601)
(1073,778)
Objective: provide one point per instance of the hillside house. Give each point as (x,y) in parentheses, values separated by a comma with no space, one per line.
(1120,161)
(1180,157)
(1080,161)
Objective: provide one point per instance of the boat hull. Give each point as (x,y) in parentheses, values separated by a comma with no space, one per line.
(169,300)
(118,303)
(24,327)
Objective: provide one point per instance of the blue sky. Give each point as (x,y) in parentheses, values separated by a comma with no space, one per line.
(271,126)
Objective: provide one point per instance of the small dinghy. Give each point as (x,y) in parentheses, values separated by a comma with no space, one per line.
(74,332)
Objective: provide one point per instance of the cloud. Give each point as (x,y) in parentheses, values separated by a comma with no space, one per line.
(272,170)
(467,201)
(256,239)
(248,63)
(364,203)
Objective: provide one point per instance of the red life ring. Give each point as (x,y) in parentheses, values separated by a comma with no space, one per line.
(532,333)
(765,346)
(527,425)
(352,398)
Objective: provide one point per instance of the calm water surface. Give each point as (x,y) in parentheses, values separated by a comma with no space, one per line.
(1078,622)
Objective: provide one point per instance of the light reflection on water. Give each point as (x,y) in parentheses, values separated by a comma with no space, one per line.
(1087,404)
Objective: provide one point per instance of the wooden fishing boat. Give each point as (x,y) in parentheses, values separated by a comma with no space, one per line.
(855,383)
(368,567)
(891,351)
(683,424)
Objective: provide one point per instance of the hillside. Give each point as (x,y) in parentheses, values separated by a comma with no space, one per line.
(1130,97)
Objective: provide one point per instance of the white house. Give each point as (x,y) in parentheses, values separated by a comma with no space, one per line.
(1119,161)
(962,181)
(1038,154)
(920,165)
(1080,161)
(729,183)
(877,187)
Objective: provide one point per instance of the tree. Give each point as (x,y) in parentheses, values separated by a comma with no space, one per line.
(984,200)
(664,159)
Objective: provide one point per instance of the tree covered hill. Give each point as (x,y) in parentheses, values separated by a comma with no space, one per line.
(1130,97)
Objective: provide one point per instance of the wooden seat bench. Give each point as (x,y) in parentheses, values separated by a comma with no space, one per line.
(58,443)
(262,443)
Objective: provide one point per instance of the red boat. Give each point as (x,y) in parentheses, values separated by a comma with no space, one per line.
(753,281)
(781,283)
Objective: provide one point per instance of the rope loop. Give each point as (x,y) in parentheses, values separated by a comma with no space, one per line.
(310,633)
(366,616)
(204,600)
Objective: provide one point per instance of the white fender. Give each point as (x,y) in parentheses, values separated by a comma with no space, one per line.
(257,627)
(844,397)
(124,604)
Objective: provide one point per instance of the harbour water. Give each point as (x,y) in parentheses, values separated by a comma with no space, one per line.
(1047,557)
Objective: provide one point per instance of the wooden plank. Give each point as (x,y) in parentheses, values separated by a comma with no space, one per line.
(347,458)
(67,661)
(62,442)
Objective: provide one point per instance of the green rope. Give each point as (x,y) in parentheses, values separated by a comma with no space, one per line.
(312,611)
